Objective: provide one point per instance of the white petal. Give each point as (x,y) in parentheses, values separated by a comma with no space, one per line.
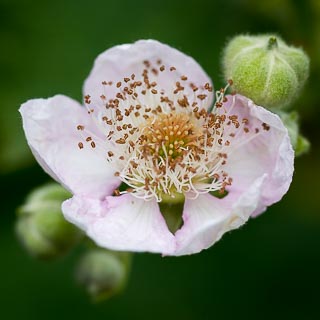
(207,218)
(123,60)
(267,153)
(50,127)
(121,223)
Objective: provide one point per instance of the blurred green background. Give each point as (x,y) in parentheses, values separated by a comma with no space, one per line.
(267,269)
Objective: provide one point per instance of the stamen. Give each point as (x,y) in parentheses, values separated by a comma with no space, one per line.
(166,144)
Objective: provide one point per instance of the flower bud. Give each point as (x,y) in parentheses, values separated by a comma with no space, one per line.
(103,273)
(265,69)
(41,227)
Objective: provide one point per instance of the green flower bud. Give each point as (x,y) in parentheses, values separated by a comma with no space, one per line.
(291,120)
(103,273)
(265,69)
(41,227)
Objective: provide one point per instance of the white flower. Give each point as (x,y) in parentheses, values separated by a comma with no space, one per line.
(147,126)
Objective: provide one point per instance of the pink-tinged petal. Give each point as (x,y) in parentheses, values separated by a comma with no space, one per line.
(123,60)
(269,152)
(50,127)
(121,223)
(207,218)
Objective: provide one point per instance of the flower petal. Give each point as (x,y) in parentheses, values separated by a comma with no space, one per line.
(207,218)
(121,223)
(50,127)
(123,60)
(253,155)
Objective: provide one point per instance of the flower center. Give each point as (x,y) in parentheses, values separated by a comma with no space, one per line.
(170,136)
(173,154)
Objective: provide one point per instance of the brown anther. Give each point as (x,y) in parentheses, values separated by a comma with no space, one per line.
(146,63)
(116,192)
(121,141)
(93,145)
(245,121)
(184,78)
(110,134)
(110,153)
(162,68)
(193,87)
(80,145)
(201,96)
(118,85)
(154,91)
(216,176)
(120,96)
(191,169)
(87,99)
(88,139)
(208,87)
(80,127)
(265,126)
(183,102)
(172,69)
(134,164)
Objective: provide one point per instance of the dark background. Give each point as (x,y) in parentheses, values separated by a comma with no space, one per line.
(269,269)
